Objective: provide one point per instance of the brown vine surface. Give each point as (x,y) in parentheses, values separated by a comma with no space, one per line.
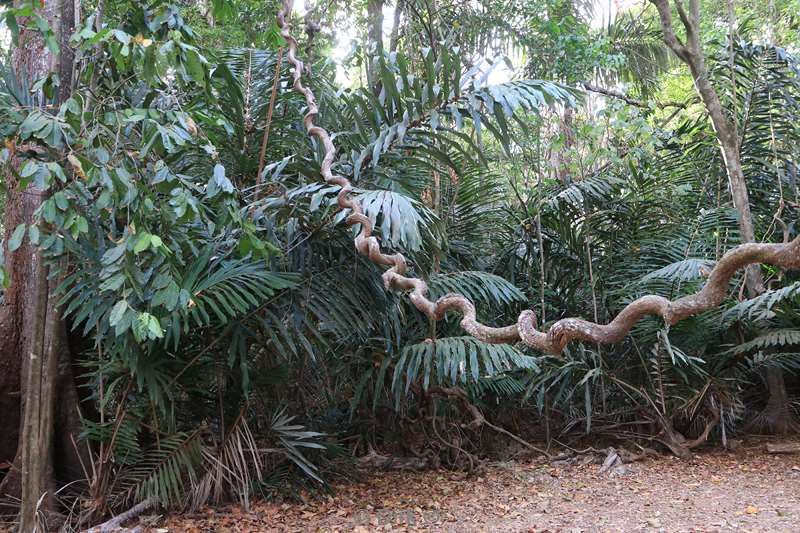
(786,255)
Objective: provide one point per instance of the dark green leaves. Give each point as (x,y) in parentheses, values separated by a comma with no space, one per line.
(113,255)
(456,360)
(427,107)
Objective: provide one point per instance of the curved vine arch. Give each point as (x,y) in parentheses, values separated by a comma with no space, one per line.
(786,256)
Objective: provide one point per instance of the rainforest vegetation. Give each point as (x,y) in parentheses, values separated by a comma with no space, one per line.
(185,319)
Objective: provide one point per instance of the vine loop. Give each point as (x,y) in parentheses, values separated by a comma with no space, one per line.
(786,255)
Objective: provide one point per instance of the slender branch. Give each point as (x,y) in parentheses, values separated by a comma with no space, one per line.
(553,341)
(687,23)
(633,101)
(270,110)
(477,416)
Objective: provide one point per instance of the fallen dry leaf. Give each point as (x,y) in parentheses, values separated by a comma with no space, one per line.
(537,497)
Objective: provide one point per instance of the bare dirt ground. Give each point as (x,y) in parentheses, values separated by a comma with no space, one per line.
(746,490)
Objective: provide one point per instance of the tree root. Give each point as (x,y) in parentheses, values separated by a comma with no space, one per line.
(783,447)
(680,445)
(610,458)
(777,417)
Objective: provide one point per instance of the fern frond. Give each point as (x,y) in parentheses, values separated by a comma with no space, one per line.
(684,270)
(294,437)
(777,338)
(760,307)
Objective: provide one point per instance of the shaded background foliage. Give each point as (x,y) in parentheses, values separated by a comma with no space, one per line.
(234,342)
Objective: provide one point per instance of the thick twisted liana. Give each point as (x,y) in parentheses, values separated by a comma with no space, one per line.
(712,294)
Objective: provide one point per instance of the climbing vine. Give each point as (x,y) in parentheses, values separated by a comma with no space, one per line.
(785,255)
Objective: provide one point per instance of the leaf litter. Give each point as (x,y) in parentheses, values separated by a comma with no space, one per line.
(746,491)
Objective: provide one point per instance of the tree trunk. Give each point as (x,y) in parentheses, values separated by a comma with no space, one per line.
(15,314)
(374,41)
(37,420)
(394,36)
(777,415)
(564,155)
(39,398)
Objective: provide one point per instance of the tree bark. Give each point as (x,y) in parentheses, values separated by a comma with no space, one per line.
(564,155)
(39,398)
(37,423)
(394,36)
(30,59)
(692,55)
(16,312)
(374,41)
(777,415)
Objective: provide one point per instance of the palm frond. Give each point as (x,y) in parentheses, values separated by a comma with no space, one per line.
(229,470)
(482,287)
(776,338)
(162,474)
(455,360)
(293,438)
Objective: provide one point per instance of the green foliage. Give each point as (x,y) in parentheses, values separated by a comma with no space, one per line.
(480,287)
(161,473)
(455,360)
(230,329)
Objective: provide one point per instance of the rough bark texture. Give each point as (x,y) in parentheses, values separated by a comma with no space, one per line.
(30,60)
(553,341)
(777,417)
(17,311)
(39,399)
(37,421)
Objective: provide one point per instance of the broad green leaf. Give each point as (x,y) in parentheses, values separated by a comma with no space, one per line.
(117,312)
(33,234)
(112,255)
(61,200)
(113,283)
(142,243)
(219,182)
(29,169)
(16,238)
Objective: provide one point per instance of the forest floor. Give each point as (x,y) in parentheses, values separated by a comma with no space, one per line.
(716,490)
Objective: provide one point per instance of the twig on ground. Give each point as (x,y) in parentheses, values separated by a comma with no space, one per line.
(115,523)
